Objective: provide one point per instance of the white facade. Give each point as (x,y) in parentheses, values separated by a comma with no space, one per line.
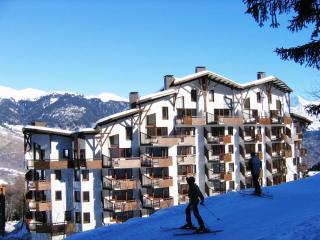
(136,162)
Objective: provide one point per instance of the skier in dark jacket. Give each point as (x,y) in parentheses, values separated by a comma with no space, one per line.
(194,194)
(255,166)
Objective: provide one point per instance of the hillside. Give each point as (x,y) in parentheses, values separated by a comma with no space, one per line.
(291,215)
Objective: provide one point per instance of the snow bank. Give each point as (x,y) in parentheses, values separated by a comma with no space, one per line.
(292,214)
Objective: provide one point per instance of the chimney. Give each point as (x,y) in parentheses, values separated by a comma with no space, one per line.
(168,80)
(133,99)
(200,69)
(261,75)
(38,123)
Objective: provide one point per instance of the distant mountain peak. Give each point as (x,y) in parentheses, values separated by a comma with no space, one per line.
(31,94)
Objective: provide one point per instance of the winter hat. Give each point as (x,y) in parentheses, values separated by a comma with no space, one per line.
(190,180)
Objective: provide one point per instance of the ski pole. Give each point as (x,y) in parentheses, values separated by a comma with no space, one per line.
(212,213)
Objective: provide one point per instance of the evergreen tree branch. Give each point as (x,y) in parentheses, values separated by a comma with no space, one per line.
(308,54)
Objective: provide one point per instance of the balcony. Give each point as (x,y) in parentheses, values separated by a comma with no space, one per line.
(121,162)
(153,203)
(224,120)
(297,137)
(287,153)
(88,163)
(287,120)
(41,185)
(119,184)
(120,205)
(148,161)
(39,206)
(215,187)
(188,140)
(218,139)
(53,164)
(165,141)
(53,228)
(265,121)
(303,152)
(277,154)
(156,182)
(182,179)
(226,157)
(186,159)
(259,137)
(191,120)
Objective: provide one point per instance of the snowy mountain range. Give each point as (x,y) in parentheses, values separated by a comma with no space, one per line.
(58,109)
(69,110)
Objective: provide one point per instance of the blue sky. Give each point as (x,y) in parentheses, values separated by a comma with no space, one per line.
(120,46)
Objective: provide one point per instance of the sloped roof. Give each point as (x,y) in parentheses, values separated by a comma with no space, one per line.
(157,95)
(228,82)
(300,117)
(117,116)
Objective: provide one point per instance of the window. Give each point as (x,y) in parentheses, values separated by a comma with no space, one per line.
(211,96)
(230,148)
(231,167)
(68,216)
(259,148)
(193,95)
(258,97)
(86,196)
(86,217)
(76,175)
(57,174)
(165,113)
(151,120)
(77,196)
(278,105)
(129,133)
(82,154)
(231,185)
(58,195)
(247,103)
(78,217)
(114,140)
(85,175)
(230,130)
(66,153)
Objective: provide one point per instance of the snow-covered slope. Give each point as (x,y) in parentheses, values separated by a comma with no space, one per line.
(293,214)
(298,106)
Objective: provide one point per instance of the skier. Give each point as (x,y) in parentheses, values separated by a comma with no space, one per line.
(255,166)
(194,194)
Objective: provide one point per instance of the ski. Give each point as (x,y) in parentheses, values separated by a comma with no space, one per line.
(197,233)
(176,228)
(263,195)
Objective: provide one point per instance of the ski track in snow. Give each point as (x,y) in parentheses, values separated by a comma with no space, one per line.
(293,214)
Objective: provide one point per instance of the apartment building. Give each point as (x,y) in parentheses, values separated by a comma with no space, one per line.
(135,162)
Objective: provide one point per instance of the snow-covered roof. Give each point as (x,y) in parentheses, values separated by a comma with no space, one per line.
(300,117)
(226,81)
(39,129)
(3,182)
(211,75)
(117,116)
(276,81)
(85,130)
(157,95)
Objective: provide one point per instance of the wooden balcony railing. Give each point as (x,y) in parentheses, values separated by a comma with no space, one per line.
(191,120)
(303,152)
(53,228)
(41,185)
(39,206)
(121,162)
(182,179)
(157,182)
(265,121)
(53,164)
(119,184)
(120,205)
(150,202)
(148,161)
(186,159)
(88,163)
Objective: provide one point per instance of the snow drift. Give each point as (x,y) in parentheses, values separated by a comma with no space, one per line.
(293,213)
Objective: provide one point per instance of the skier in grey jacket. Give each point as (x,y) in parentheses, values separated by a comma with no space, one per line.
(255,166)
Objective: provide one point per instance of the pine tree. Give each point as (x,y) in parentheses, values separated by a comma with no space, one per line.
(305,14)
